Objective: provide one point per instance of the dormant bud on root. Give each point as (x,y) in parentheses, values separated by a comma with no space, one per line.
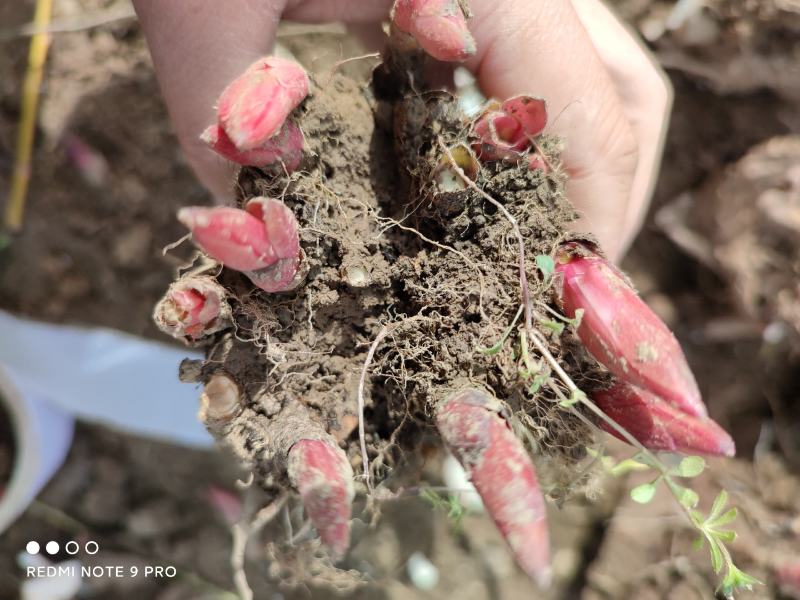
(320,471)
(503,474)
(438,26)
(193,308)
(221,400)
(262,241)
(254,107)
(622,332)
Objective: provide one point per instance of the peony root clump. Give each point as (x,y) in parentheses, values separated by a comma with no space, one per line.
(384,276)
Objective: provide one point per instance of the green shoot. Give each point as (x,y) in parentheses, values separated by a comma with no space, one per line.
(501,342)
(554,326)
(574,322)
(450,505)
(687,499)
(538,381)
(710,528)
(712,532)
(644,493)
(575,397)
(546,265)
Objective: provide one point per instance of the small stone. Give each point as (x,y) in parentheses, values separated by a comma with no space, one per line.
(422,572)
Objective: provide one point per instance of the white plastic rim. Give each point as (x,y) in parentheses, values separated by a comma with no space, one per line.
(42,437)
(104,376)
(52,374)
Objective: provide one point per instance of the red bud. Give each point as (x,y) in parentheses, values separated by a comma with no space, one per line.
(623,333)
(232,236)
(500,136)
(439,26)
(255,105)
(192,308)
(280,223)
(285,147)
(659,426)
(282,231)
(262,241)
(530,112)
(322,474)
(502,473)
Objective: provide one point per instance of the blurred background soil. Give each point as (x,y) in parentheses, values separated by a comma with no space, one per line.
(719,260)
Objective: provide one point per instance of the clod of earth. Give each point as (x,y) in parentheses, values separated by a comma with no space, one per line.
(370,297)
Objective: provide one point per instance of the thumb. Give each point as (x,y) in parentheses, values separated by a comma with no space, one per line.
(541,48)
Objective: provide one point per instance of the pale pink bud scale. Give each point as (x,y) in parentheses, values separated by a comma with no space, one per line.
(254,107)
(320,471)
(502,473)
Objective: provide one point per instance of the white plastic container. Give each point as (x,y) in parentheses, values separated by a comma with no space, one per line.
(42,436)
(52,374)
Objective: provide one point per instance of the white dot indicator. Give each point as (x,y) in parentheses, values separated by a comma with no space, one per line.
(32,547)
(52,548)
(71,547)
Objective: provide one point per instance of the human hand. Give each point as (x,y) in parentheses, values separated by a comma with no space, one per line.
(608,99)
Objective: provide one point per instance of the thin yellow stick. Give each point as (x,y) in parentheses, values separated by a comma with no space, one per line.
(20,178)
